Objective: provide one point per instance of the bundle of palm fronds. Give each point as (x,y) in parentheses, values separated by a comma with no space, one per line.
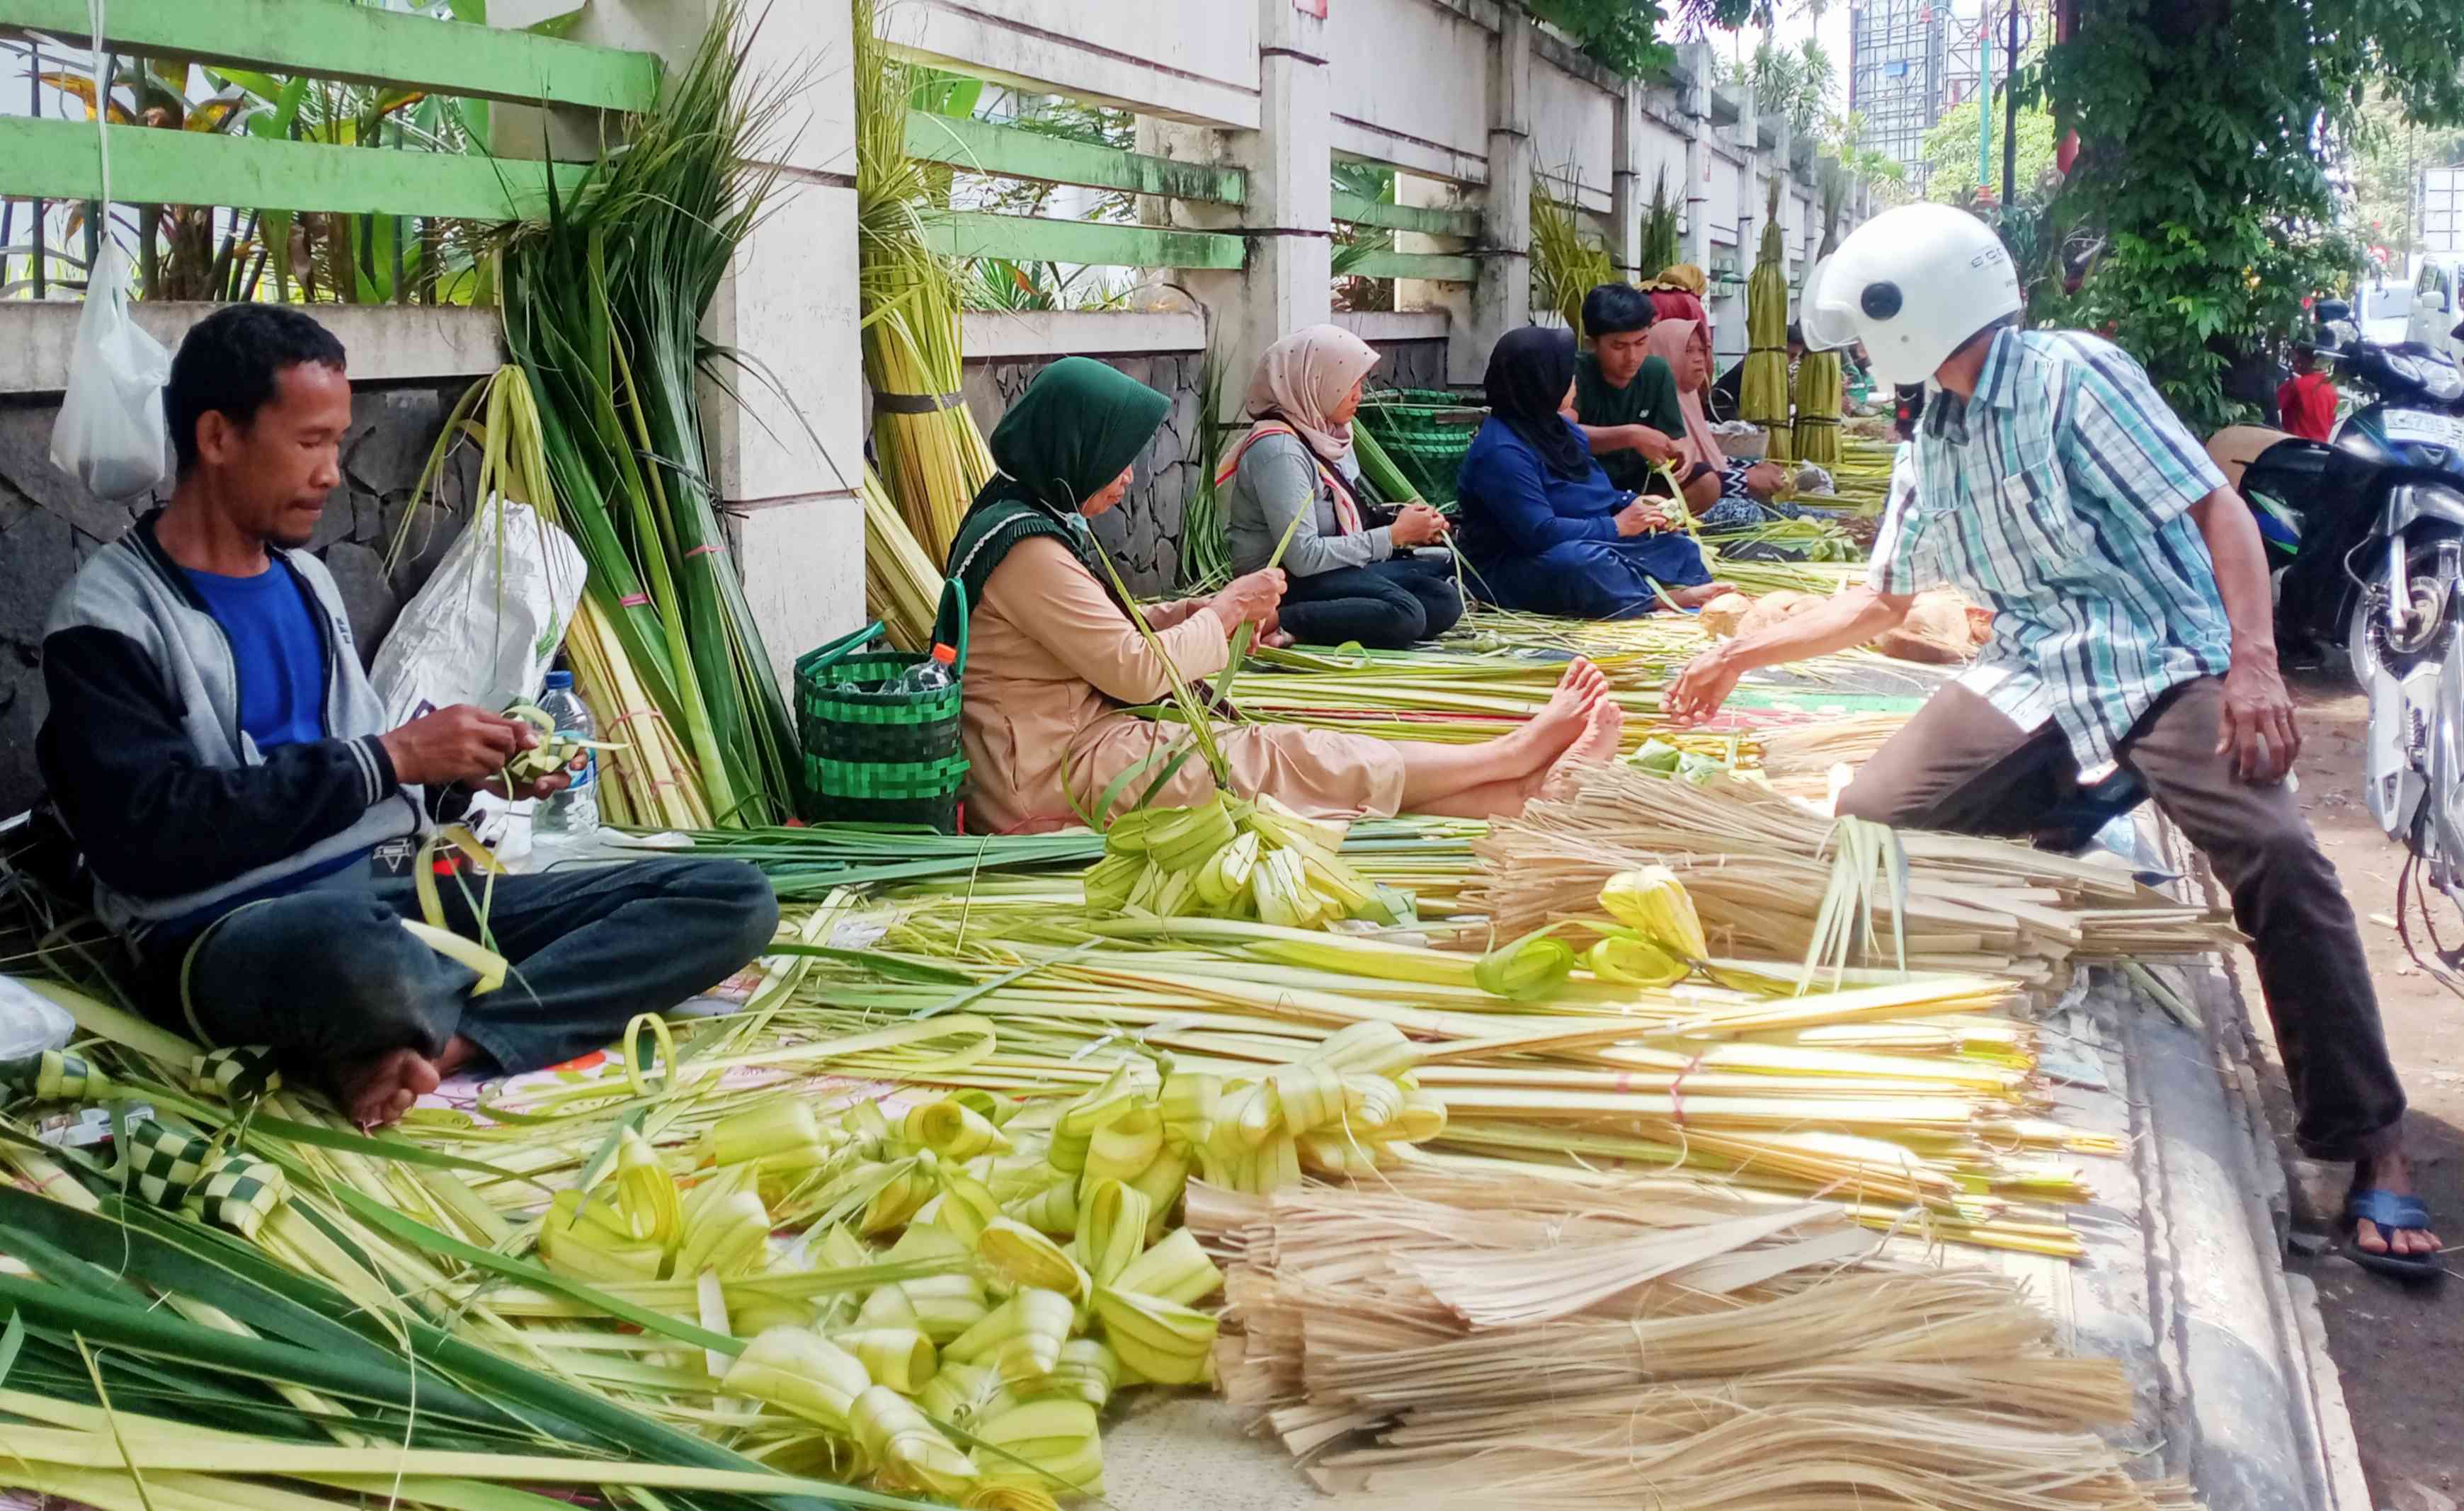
(1771,883)
(1566,260)
(604,303)
(902,585)
(932,456)
(1423,1340)
(1817,375)
(1762,396)
(1205,550)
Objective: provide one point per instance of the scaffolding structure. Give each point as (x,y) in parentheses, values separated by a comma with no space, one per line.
(1898,68)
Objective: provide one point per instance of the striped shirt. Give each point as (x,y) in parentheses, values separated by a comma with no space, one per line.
(2059,498)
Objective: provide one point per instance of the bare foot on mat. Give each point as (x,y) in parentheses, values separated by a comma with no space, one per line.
(380,1089)
(1596,747)
(1698,596)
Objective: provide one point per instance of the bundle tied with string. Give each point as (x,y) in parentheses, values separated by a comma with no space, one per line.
(932,455)
(1763,396)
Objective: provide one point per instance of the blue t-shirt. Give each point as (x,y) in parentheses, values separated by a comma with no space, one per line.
(280,657)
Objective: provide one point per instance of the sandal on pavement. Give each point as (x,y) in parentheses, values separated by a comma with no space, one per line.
(2391,1215)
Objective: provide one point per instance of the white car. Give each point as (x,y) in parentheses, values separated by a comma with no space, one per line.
(2436,306)
(2384,312)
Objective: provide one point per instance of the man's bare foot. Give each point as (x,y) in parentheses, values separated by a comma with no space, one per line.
(1698,596)
(380,1089)
(1597,745)
(2388,1173)
(458,1053)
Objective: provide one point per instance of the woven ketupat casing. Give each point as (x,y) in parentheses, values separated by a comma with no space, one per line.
(239,1193)
(165,1163)
(237,1074)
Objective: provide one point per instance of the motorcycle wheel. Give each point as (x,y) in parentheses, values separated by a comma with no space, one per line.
(2371,646)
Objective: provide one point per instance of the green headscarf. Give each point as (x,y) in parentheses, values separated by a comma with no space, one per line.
(1076,427)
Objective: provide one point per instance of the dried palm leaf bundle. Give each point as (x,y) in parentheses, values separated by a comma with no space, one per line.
(1772,884)
(902,585)
(1440,1340)
(932,456)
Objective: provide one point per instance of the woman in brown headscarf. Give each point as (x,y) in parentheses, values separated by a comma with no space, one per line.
(1354,574)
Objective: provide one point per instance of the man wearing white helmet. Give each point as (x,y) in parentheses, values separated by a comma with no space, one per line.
(2133,627)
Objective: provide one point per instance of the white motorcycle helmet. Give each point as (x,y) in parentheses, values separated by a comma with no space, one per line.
(1913,284)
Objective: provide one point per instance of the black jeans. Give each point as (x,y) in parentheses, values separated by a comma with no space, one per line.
(329,976)
(1385,605)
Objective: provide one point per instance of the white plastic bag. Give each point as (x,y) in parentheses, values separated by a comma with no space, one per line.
(29,1024)
(485,627)
(483,631)
(110,434)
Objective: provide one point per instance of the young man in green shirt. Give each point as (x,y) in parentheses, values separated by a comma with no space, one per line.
(1625,402)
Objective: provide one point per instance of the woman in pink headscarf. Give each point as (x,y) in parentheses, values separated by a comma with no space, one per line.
(1722,491)
(1352,567)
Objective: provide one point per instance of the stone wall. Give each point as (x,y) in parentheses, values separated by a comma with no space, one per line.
(1411,365)
(1143,535)
(49,526)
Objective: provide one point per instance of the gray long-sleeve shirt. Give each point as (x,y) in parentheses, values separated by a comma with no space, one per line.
(1278,479)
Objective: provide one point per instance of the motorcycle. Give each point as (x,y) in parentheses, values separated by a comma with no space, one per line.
(2365,543)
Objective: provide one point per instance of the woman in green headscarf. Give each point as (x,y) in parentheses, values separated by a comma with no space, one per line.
(1054,661)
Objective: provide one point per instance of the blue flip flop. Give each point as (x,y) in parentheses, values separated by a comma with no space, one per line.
(2392,1213)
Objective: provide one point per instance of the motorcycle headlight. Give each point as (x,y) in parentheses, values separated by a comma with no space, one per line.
(2445,384)
(2406,368)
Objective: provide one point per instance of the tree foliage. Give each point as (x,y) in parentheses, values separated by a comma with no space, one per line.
(2386,155)
(1631,37)
(1950,152)
(2206,129)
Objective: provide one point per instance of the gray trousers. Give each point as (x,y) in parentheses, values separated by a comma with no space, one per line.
(1961,765)
(329,975)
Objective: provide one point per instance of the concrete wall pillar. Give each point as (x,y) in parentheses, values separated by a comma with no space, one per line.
(1287,278)
(1695,98)
(787,464)
(1628,199)
(1501,300)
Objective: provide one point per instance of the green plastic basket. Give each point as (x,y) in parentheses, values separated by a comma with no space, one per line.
(1427,432)
(875,756)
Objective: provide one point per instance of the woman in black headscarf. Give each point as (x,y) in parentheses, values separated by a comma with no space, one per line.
(1543,526)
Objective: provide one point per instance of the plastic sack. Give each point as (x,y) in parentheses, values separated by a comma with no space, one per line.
(110,435)
(485,627)
(29,1024)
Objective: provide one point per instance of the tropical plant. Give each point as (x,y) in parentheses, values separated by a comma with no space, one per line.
(1016,287)
(1661,241)
(1568,259)
(1796,82)
(2206,129)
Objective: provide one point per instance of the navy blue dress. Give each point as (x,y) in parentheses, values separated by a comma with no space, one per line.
(1547,544)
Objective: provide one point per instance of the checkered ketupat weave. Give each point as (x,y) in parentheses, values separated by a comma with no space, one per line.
(165,1163)
(240,1193)
(241,1073)
(51,1075)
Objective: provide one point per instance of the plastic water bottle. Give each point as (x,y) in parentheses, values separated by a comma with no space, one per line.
(933,674)
(570,816)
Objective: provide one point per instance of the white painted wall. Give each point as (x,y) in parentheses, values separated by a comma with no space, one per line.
(1195,60)
(1573,126)
(1410,84)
